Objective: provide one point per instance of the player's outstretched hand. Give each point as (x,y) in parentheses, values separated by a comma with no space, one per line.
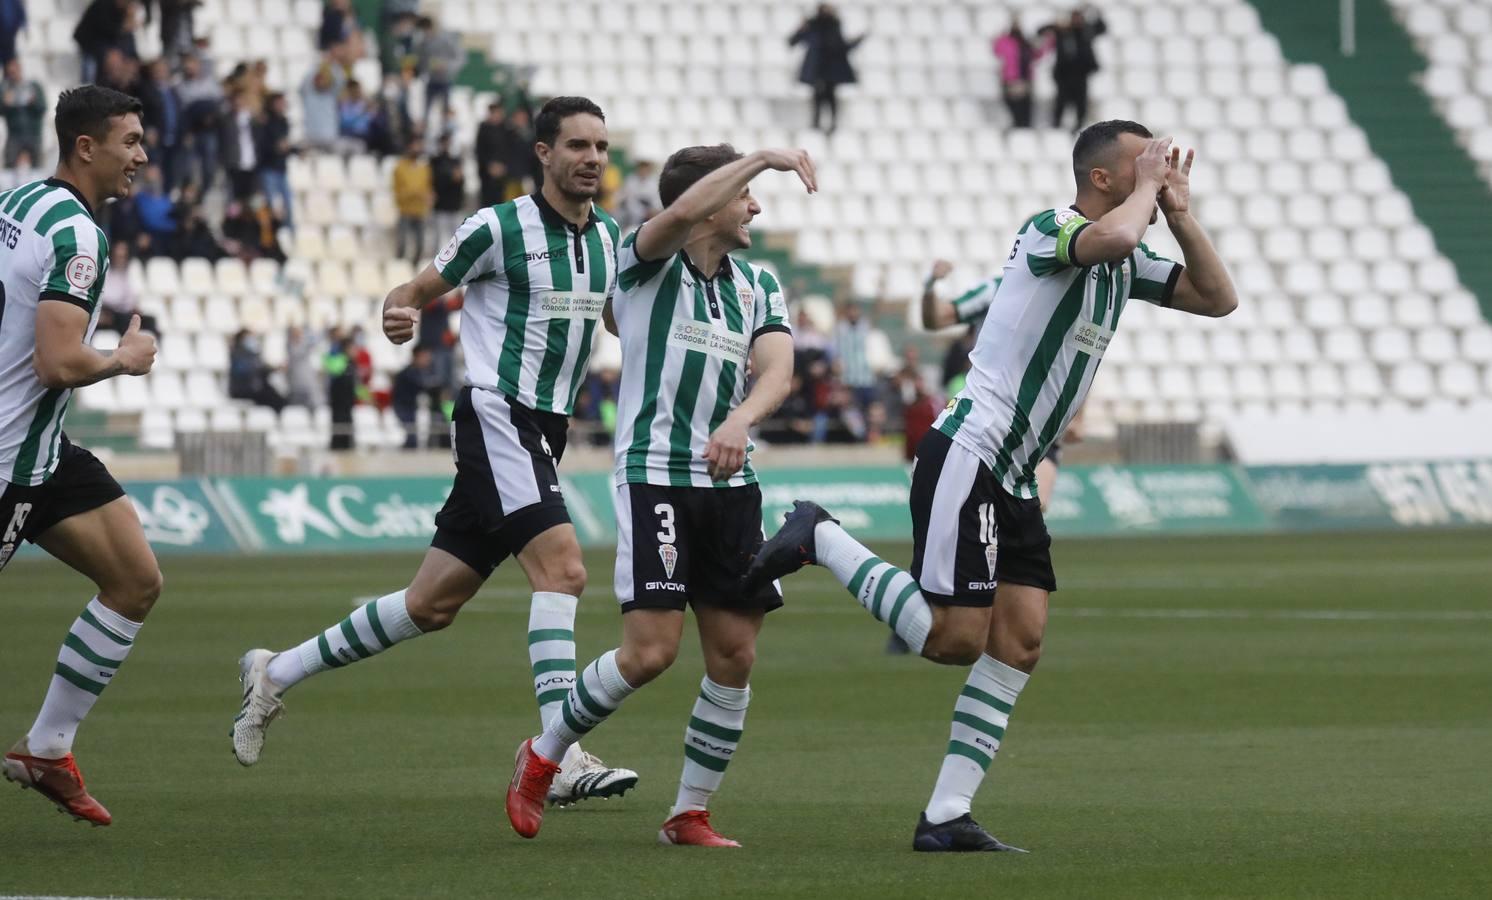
(726,451)
(399,324)
(941,268)
(1177,196)
(1153,162)
(793,161)
(136,350)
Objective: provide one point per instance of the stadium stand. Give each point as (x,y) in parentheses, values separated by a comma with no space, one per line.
(1350,312)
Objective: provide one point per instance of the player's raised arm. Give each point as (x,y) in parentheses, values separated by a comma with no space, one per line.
(664,235)
(1120,230)
(1205,288)
(62,360)
(937,313)
(772,363)
(400,316)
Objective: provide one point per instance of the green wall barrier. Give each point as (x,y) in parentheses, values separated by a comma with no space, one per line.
(281,515)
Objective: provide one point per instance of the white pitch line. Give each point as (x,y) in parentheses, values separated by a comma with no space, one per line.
(1314,615)
(59,897)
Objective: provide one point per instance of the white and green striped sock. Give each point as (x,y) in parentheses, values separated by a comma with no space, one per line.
(551,649)
(371,629)
(92,652)
(888,593)
(979,720)
(598,691)
(710,742)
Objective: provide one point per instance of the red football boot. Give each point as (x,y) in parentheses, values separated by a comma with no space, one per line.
(693,829)
(532,775)
(56,779)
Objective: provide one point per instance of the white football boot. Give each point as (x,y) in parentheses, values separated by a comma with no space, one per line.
(584,777)
(261,706)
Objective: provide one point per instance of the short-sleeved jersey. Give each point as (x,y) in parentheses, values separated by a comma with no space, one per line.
(685,342)
(1043,338)
(970,306)
(535,288)
(50,251)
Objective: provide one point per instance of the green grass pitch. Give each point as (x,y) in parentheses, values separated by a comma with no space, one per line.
(1220,717)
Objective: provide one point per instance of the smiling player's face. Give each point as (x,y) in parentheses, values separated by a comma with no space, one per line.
(578,159)
(120,155)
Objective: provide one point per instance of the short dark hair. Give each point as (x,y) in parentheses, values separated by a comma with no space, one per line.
(556,111)
(1097,141)
(689,165)
(87,110)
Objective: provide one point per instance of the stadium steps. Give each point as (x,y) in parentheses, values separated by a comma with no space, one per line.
(1380,87)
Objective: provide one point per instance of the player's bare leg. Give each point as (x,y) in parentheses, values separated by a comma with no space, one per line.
(108,546)
(442,585)
(728,641)
(556,573)
(980,717)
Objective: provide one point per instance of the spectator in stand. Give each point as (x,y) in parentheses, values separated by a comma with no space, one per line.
(273,153)
(176,27)
(119,71)
(638,199)
(119,300)
(435,335)
(321,117)
(249,230)
(341,388)
(413,197)
(826,61)
(449,184)
(525,175)
(491,173)
(362,360)
(397,44)
(195,240)
(202,101)
(164,120)
(851,340)
(1017,56)
(240,147)
(153,205)
(22,105)
(919,411)
(12,20)
(100,29)
(792,423)
(441,56)
(1075,64)
(338,23)
(248,376)
(26,170)
(355,115)
(419,380)
(301,368)
(393,126)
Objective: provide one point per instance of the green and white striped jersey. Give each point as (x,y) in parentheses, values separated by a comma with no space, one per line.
(970,306)
(685,342)
(1042,341)
(536,286)
(50,249)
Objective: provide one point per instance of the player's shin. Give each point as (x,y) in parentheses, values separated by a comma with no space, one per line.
(710,742)
(597,693)
(369,630)
(980,717)
(886,592)
(95,647)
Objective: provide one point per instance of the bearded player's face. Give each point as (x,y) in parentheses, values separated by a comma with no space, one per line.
(577,160)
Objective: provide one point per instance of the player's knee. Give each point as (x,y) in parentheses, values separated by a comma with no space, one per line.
(134,595)
(650,661)
(953,648)
(430,614)
(1023,653)
(732,665)
(565,575)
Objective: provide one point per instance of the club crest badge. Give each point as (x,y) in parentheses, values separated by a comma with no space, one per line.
(991,553)
(670,557)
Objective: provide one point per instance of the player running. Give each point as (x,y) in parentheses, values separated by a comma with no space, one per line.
(981,566)
(53,493)
(689,511)
(539,270)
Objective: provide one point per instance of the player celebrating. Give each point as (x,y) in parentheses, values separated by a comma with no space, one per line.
(974,484)
(969,308)
(539,271)
(53,493)
(687,501)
